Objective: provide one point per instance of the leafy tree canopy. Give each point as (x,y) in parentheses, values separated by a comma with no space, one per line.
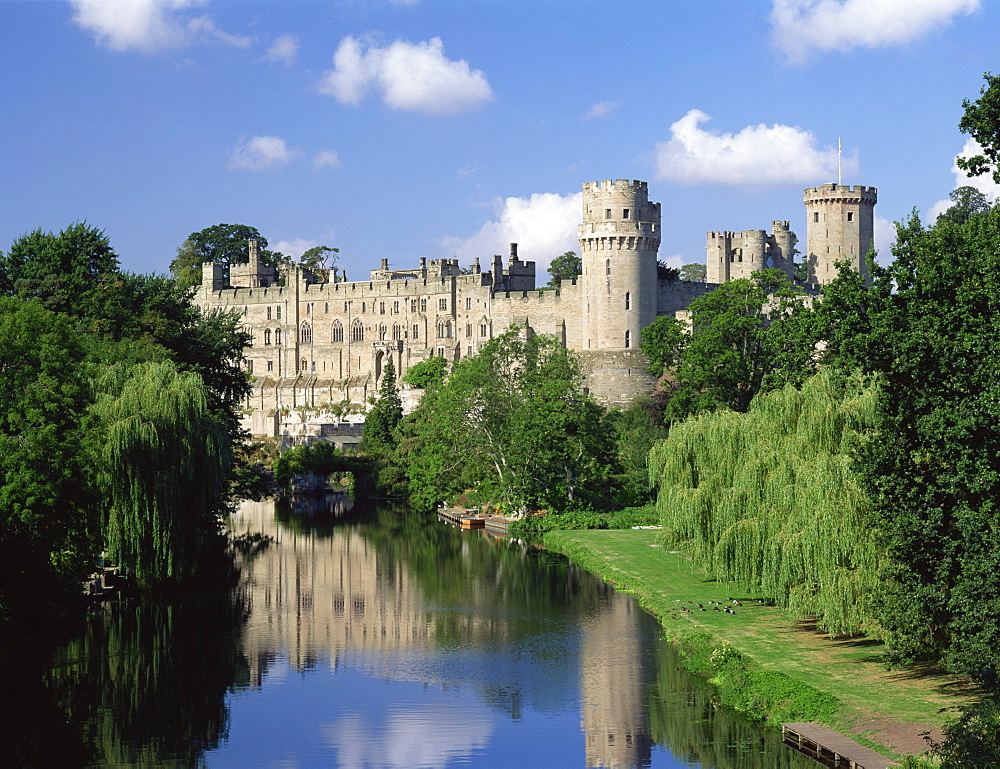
(665,272)
(663,342)
(981,121)
(966,202)
(322,260)
(427,373)
(568,266)
(222,244)
(694,272)
(384,416)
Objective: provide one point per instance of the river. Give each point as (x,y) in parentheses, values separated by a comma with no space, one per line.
(374,639)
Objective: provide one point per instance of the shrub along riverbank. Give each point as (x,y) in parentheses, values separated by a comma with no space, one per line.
(764,662)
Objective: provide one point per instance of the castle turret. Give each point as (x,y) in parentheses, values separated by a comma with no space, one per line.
(619,239)
(840,225)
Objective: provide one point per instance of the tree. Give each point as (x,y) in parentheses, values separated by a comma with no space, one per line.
(694,272)
(663,342)
(221,244)
(743,341)
(62,271)
(981,121)
(427,373)
(384,416)
(568,266)
(665,272)
(967,201)
(316,258)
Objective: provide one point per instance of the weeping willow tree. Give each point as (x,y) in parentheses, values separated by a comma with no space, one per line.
(767,499)
(163,463)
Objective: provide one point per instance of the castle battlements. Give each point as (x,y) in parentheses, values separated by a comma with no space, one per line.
(841,193)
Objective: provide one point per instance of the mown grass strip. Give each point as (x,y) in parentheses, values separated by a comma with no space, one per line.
(851,670)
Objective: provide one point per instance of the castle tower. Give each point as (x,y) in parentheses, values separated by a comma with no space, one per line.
(619,239)
(840,225)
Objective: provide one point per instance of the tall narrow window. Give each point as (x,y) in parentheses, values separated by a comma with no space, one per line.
(306,335)
(628,338)
(397,332)
(607,266)
(625,213)
(815,216)
(303,365)
(277,336)
(338,331)
(267,336)
(628,300)
(850,216)
(357,332)
(423,305)
(607,213)
(277,311)
(468,303)
(416,331)
(269,312)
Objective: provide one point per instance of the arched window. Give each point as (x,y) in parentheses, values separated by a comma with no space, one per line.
(381,332)
(267,333)
(306,333)
(628,339)
(397,332)
(277,336)
(628,301)
(357,332)
(607,266)
(338,331)
(303,365)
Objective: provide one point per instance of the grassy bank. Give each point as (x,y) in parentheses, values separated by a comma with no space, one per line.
(885,709)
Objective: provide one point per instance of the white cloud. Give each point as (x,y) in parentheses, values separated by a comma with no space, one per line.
(283,50)
(326,159)
(884,237)
(801,26)
(600,109)
(295,247)
(758,155)
(148,25)
(984,183)
(543,226)
(675,260)
(262,153)
(410,76)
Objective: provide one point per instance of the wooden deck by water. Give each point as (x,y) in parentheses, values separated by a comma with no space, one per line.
(830,748)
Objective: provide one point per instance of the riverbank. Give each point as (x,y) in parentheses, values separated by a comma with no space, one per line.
(885,709)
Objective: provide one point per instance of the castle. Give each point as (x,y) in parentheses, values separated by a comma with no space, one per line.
(317,345)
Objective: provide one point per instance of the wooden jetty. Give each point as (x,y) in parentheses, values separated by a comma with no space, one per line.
(831,748)
(467,518)
(497,526)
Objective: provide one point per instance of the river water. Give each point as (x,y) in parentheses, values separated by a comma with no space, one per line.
(374,639)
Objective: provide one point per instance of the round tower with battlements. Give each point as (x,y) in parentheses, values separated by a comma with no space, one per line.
(840,225)
(619,239)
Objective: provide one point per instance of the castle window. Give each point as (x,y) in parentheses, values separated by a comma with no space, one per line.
(468,329)
(250,366)
(269,312)
(423,305)
(607,267)
(850,216)
(468,303)
(338,331)
(326,307)
(413,305)
(395,307)
(313,366)
(278,312)
(381,332)
(628,302)
(625,213)
(277,336)
(381,308)
(345,306)
(270,365)
(442,304)
(309,308)
(357,332)
(443,329)
(607,213)
(397,332)
(440,352)
(484,329)
(815,216)
(267,336)
(628,338)
(416,331)
(363,308)
(303,365)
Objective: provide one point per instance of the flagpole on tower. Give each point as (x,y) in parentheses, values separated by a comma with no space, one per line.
(839,153)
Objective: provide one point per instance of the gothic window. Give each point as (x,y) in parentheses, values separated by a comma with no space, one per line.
(338,331)
(413,305)
(416,331)
(381,332)
(306,334)
(269,312)
(267,333)
(423,305)
(442,304)
(468,303)
(357,332)
(468,329)
(483,329)
(277,336)
(395,307)
(278,312)
(397,332)
(628,300)
(381,308)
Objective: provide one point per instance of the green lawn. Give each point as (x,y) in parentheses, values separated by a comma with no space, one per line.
(892,707)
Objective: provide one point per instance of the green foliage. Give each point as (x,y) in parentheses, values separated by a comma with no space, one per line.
(220,243)
(967,201)
(48,529)
(533,525)
(513,423)
(694,272)
(568,266)
(382,419)
(162,463)
(316,258)
(663,342)
(973,740)
(665,272)
(767,499)
(747,337)
(981,121)
(62,271)
(427,373)
(636,430)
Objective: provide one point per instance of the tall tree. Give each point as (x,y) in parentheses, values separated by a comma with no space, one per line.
(567,266)
(966,201)
(694,272)
(981,121)
(663,342)
(322,261)
(385,414)
(220,243)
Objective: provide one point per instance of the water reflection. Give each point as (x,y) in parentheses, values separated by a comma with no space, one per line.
(383,639)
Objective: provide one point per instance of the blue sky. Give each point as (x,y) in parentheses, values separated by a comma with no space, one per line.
(445,128)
